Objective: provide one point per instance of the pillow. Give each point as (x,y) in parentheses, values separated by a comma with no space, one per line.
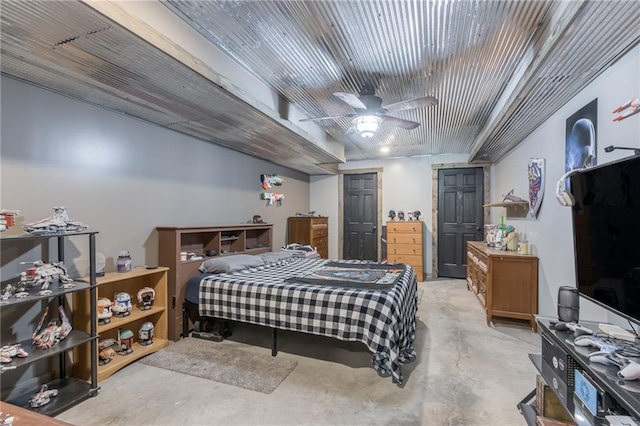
(276,256)
(233,263)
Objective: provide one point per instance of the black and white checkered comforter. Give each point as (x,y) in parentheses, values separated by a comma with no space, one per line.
(385,321)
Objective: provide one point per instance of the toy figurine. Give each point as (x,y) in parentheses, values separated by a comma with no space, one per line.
(125,342)
(145,298)
(8,218)
(43,397)
(7,352)
(627,109)
(104,311)
(106,352)
(7,292)
(146,333)
(6,419)
(122,305)
(53,333)
(43,274)
(270,180)
(59,222)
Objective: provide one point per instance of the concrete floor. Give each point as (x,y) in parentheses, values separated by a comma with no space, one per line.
(467,373)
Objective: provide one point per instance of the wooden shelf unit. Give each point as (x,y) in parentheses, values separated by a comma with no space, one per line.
(129,282)
(514,208)
(224,239)
(505,282)
(312,231)
(405,244)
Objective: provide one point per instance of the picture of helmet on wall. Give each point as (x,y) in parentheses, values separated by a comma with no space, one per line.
(581,130)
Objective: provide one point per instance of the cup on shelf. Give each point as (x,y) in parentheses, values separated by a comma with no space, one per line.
(523,247)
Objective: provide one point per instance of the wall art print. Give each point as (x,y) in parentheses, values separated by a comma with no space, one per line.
(581,130)
(536,175)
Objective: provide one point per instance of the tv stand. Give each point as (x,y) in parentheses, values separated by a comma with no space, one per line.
(557,365)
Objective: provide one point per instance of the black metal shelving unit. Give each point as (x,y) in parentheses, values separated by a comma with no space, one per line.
(625,393)
(71,390)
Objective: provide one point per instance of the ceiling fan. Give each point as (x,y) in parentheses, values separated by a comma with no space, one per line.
(370,113)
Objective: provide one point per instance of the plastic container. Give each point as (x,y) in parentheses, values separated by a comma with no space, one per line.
(123,264)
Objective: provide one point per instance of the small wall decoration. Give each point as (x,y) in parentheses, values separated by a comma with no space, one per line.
(272,197)
(581,130)
(535,172)
(271,180)
(629,108)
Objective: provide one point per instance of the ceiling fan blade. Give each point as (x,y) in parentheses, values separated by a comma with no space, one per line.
(333,117)
(405,124)
(424,101)
(351,99)
(350,131)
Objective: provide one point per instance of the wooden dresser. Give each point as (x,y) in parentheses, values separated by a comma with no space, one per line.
(505,282)
(405,243)
(310,230)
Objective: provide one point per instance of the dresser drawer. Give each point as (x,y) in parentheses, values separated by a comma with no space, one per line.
(323,253)
(405,227)
(319,232)
(415,249)
(404,239)
(319,242)
(319,221)
(413,260)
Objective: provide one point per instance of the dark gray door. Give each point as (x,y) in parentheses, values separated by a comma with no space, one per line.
(460,218)
(361,216)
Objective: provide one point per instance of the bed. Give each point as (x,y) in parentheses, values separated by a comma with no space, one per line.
(310,296)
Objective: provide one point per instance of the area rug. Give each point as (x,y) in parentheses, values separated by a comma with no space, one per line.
(223,363)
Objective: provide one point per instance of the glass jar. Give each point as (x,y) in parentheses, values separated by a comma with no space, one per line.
(123,264)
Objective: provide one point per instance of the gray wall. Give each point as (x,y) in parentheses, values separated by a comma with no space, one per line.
(406,185)
(551,233)
(124,177)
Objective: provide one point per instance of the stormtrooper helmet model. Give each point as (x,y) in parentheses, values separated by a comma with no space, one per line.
(104,310)
(146,333)
(122,305)
(145,298)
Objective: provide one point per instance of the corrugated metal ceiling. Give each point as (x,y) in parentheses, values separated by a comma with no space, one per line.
(464,53)
(498,68)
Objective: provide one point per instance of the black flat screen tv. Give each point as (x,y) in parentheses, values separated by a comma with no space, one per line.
(606,230)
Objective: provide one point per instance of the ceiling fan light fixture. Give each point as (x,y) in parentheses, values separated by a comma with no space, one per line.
(367,125)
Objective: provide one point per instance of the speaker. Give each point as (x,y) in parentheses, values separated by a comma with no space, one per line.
(568,304)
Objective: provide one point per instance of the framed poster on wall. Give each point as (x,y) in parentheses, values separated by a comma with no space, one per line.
(581,130)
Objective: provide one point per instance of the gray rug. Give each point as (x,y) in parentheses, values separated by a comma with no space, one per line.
(223,363)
